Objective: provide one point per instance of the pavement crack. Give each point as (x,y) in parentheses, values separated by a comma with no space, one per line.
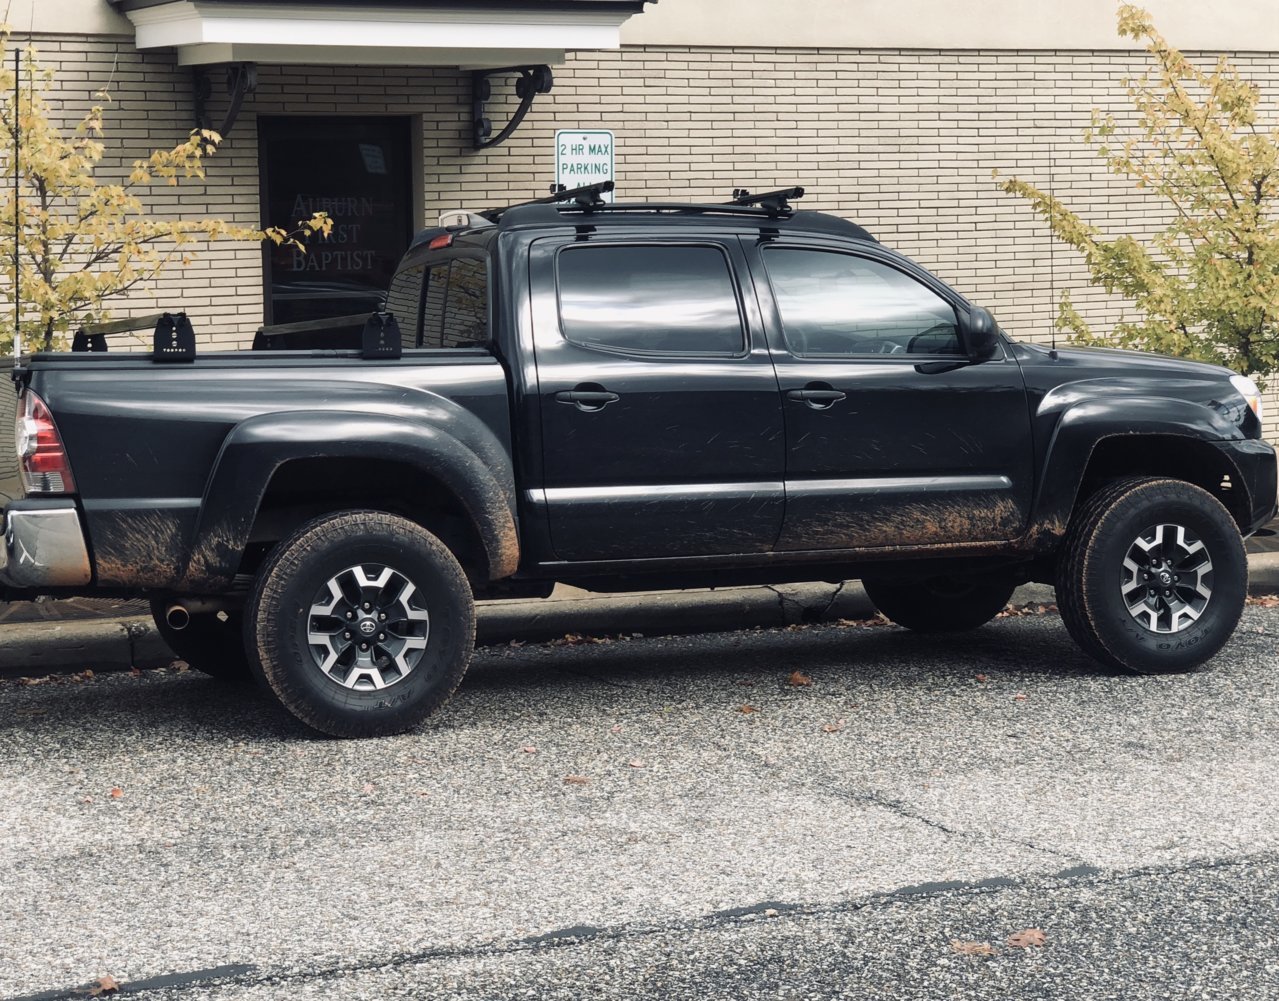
(909,812)
(825,612)
(247,976)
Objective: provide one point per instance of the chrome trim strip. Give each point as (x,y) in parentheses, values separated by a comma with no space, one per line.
(44,547)
(662,491)
(898,484)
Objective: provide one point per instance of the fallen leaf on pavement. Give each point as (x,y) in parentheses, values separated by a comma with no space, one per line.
(833,727)
(972,948)
(747,709)
(104,985)
(799,679)
(529,749)
(637,763)
(576,780)
(116,792)
(1026,939)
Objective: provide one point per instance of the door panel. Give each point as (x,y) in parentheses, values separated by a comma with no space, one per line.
(661,421)
(894,437)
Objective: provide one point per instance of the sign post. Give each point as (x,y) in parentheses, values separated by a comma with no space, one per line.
(584,156)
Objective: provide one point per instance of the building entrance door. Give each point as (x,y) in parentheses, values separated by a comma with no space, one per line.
(359,171)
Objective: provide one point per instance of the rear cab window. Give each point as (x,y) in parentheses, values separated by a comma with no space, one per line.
(442,303)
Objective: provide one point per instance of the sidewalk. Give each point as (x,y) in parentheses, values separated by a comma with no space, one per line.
(39,638)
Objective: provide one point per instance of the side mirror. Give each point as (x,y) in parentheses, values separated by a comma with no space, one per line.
(980,333)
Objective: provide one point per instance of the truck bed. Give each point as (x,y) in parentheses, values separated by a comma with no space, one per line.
(154,447)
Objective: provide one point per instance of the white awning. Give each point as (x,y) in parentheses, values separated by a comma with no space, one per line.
(475,36)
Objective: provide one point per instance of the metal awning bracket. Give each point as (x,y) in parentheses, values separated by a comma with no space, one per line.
(533,80)
(241,81)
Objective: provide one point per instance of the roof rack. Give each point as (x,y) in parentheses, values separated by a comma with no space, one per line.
(775,203)
(587,197)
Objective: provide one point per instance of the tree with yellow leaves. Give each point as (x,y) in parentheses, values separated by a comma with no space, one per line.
(70,242)
(1207,285)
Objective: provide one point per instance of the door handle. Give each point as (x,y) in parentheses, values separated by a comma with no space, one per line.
(587,400)
(817,396)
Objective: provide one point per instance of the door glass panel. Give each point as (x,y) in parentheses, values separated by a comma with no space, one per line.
(834,304)
(655,300)
(359,171)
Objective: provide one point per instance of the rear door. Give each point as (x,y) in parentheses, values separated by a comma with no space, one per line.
(661,422)
(894,436)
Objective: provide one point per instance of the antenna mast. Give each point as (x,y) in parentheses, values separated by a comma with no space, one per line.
(1053,306)
(17,222)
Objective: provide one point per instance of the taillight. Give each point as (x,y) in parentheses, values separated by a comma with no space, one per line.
(45,469)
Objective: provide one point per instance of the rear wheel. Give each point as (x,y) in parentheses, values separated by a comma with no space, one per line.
(361,623)
(1153,576)
(212,643)
(940,604)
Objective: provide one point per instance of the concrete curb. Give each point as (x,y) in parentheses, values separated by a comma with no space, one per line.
(36,648)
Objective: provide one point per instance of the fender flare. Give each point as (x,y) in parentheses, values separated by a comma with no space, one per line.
(256,448)
(1084,425)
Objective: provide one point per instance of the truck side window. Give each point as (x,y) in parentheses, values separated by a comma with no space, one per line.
(456,312)
(654,300)
(834,304)
(404,302)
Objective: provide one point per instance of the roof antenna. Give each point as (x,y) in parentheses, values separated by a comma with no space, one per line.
(1053,306)
(17,219)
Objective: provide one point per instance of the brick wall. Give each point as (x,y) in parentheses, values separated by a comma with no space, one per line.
(902,141)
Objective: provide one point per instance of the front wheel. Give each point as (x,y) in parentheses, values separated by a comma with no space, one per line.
(1153,576)
(940,604)
(361,623)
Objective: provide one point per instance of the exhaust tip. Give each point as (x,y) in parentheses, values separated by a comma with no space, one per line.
(177,617)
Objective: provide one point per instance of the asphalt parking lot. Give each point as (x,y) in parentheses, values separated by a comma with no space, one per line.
(664,817)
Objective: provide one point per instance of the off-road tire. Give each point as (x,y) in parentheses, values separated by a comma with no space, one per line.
(211,644)
(280,610)
(940,604)
(1090,572)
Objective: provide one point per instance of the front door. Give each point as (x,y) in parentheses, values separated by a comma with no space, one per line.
(360,172)
(894,436)
(661,423)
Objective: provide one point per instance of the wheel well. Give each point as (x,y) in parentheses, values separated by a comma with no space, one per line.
(1172,456)
(303,489)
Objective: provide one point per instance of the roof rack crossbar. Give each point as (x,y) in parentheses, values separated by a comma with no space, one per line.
(587,197)
(723,208)
(775,203)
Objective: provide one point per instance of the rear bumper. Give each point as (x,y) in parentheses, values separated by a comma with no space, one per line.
(44,546)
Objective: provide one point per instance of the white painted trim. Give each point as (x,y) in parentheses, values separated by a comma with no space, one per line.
(1248,25)
(203,33)
(319,55)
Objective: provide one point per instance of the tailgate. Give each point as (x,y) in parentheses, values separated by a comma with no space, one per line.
(10,481)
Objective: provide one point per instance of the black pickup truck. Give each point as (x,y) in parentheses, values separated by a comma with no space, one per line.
(626,397)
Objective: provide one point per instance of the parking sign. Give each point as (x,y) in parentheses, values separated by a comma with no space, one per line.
(584,156)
